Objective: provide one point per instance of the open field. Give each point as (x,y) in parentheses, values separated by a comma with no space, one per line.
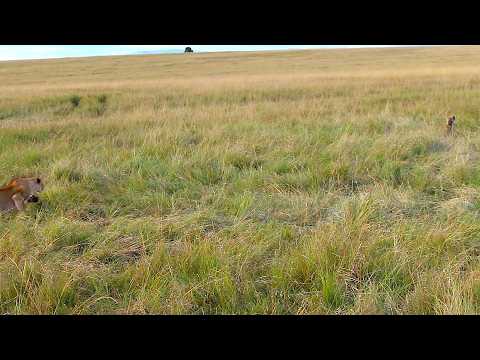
(305,182)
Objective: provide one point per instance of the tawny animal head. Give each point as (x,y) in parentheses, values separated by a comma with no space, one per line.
(37,185)
(451,124)
(451,120)
(20,191)
(32,185)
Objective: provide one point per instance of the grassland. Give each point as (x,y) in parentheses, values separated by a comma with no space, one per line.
(306,182)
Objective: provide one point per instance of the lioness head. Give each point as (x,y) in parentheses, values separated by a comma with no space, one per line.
(36,186)
(31,186)
(451,120)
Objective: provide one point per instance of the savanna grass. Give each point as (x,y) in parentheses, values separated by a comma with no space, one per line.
(306,182)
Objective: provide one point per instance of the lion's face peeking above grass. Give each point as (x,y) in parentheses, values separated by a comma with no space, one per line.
(20,191)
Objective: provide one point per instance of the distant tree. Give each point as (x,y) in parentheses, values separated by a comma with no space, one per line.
(188,49)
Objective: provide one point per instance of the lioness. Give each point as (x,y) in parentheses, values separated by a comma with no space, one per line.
(451,122)
(18,192)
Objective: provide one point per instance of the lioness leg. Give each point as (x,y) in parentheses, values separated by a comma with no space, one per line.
(19,201)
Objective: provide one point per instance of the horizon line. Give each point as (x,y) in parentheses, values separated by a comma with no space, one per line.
(175,51)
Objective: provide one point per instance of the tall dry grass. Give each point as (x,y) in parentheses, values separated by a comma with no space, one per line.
(273,183)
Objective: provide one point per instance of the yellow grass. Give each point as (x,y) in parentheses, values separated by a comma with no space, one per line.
(244,183)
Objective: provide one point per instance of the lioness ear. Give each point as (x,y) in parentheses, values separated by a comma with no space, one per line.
(39,181)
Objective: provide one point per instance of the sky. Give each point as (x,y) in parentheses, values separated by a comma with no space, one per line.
(19,52)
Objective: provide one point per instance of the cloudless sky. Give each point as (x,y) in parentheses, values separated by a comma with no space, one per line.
(15,52)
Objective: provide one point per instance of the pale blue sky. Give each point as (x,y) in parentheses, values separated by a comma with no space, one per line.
(14,52)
